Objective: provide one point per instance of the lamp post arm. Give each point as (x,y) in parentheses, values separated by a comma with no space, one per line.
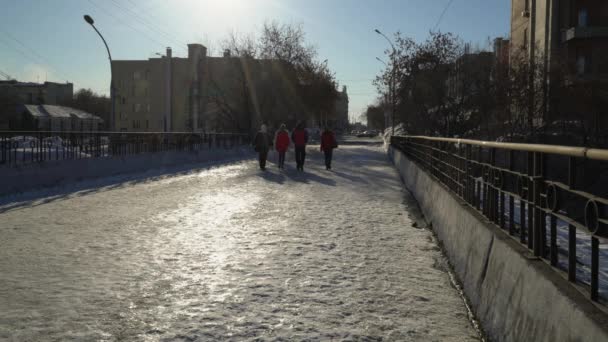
(104,43)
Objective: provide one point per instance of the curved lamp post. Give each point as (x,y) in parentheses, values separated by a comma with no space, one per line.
(387,95)
(91,22)
(392,81)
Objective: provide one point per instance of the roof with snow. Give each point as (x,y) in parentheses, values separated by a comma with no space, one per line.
(51,111)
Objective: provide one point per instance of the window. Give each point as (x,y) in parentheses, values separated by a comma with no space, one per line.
(136,75)
(582,17)
(525,44)
(147,74)
(526,5)
(124,100)
(147,124)
(137,108)
(148,108)
(581,64)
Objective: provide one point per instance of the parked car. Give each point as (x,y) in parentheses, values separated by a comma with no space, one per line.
(367,134)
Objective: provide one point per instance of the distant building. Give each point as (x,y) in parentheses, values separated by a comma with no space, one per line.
(38,93)
(342,110)
(200,93)
(501,52)
(470,71)
(52,118)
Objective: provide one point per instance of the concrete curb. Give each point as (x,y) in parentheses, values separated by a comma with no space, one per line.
(515,296)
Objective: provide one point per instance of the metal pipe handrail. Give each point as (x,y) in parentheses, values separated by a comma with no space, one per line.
(527,194)
(570,151)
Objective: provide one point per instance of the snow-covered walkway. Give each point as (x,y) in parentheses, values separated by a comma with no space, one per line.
(230,253)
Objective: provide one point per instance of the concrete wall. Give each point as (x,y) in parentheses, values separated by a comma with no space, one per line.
(516,297)
(56,173)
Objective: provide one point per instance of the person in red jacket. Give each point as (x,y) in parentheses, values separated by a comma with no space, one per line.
(282,144)
(328,143)
(299,136)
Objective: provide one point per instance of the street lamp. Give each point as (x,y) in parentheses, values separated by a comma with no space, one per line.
(392,81)
(386,97)
(91,22)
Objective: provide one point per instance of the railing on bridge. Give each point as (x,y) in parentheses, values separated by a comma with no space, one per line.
(551,198)
(24,147)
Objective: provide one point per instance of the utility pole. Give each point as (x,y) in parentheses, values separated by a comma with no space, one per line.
(392,81)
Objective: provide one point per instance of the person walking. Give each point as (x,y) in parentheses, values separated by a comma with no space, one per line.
(328,143)
(282,144)
(299,136)
(262,144)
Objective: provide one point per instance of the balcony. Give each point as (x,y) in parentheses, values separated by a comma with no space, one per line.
(585,79)
(584,32)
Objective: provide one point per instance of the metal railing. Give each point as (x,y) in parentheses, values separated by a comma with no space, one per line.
(26,147)
(550,198)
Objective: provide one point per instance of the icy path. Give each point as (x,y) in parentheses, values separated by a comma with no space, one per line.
(230,253)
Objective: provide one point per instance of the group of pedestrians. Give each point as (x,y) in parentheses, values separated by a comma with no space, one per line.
(263,142)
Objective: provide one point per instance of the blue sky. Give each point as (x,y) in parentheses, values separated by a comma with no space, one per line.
(48,39)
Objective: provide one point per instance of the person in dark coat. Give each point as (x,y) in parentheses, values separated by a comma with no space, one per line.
(299,136)
(328,143)
(262,144)
(282,144)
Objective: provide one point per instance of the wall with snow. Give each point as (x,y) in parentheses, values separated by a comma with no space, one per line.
(17,179)
(516,296)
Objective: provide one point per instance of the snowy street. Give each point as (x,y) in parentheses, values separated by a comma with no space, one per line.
(229,252)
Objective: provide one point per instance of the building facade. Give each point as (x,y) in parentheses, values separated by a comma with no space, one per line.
(50,93)
(52,118)
(342,110)
(568,41)
(200,93)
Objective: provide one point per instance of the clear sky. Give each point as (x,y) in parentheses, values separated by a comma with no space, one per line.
(49,40)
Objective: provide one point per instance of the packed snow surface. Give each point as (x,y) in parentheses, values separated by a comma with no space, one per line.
(229,253)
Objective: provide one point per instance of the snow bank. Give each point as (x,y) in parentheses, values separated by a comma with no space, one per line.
(53,173)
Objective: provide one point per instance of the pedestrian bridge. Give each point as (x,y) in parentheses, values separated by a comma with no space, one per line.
(224,251)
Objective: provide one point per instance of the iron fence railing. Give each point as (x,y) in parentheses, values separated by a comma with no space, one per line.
(26,147)
(550,198)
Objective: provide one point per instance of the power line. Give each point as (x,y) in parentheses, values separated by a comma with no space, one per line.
(150,25)
(38,59)
(119,20)
(5,75)
(442,14)
(34,56)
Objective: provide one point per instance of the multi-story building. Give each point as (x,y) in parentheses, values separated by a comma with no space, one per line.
(568,40)
(203,93)
(342,110)
(50,93)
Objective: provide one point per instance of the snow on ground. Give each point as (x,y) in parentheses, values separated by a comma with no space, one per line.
(229,253)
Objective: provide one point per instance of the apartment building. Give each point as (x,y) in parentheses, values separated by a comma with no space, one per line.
(342,110)
(200,93)
(568,39)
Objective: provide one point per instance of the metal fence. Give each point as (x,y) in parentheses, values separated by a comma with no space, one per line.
(26,147)
(550,198)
